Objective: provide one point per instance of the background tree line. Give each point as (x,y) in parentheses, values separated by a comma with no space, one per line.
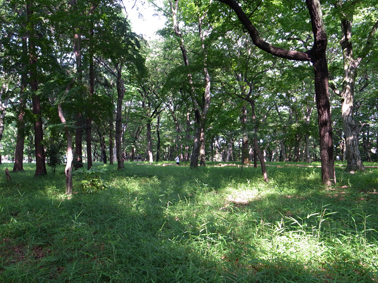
(215,86)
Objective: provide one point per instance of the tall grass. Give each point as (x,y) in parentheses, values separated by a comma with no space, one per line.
(174,224)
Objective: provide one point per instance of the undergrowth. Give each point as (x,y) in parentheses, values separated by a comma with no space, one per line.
(173,224)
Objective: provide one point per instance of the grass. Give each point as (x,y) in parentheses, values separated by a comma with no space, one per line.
(174,224)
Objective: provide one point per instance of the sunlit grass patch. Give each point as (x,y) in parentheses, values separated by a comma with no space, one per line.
(207,225)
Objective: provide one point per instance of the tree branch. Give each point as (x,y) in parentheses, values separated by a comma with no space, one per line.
(262,44)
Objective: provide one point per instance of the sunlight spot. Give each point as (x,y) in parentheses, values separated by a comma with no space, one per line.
(242,197)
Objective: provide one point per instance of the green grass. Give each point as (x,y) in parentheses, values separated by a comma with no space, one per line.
(174,224)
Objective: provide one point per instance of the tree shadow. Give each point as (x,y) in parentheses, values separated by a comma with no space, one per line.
(128,233)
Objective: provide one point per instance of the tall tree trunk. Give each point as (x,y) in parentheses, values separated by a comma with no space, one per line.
(78,162)
(256,144)
(20,142)
(69,153)
(88,130)
(245,144)
(307,137)
(283,150)
(351,65)
(297,148)
(91,93)
(36,102)
(111,143)
(30,148)
(202,147)
(187,151)
(158,138)
(3,105)
(324,120)
(149,143)
(78,142)
(230,149)
(351,129)
(118,133)
(101,135)
(196,142)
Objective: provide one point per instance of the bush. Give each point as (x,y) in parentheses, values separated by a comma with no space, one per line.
(91,181)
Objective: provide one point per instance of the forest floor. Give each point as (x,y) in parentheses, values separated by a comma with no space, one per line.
(172,224)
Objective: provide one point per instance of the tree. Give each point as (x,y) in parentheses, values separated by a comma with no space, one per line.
(201,102)
(116,32)
(317,56)
(346,13)
(36,100)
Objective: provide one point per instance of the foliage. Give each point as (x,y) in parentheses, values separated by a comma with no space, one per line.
(54,154)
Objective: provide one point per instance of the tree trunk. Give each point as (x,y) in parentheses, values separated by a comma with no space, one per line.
(118,133)
(78,162)
(149,143)
(245,145)
(78,143)
(3,106)
(101,135)
(351,129)
(262,161)
(196,142)
(19,151)
(158,139)
(351,65)
(20,140)
(88,130)
(69,153)
(230,149)
(30,148)
(256,144)
(307,149)
(89,119)
(307,157)
(37,112)
(111,143)
(324,120)
(202,147)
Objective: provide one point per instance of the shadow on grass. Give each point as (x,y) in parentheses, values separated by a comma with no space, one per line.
(157,224)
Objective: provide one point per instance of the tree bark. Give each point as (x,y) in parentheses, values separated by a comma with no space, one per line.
(196,141)
(20,140)
(118,133)
(78,163)
(69,153)
(111,143)
(245,145)
(36,102)
(256,144)
(91,93)
(19,151)
(101,135)
(202,150)
(149,143)
(78,142)
(3,105)
(350,127)
(158,139)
